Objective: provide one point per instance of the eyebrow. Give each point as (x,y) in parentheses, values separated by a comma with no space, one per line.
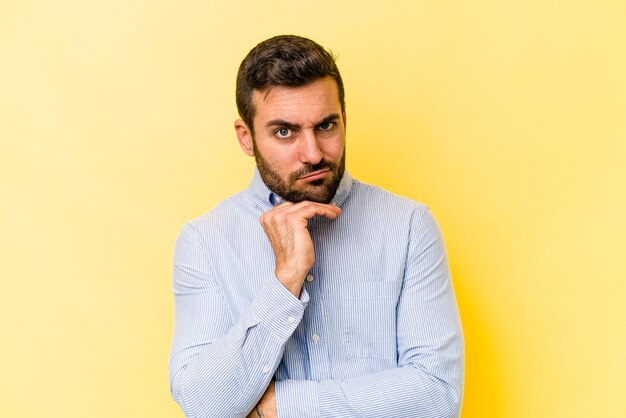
(289,125)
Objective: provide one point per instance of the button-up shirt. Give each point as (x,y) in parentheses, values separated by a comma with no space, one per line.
(374,333)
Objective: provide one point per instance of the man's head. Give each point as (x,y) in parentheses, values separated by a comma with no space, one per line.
(287,61)
(290,99)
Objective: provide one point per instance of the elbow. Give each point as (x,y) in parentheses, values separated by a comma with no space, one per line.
(180,389)
(450,401)
(199,398)
(452,407)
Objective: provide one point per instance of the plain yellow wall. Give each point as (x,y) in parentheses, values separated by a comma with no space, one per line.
(508,118)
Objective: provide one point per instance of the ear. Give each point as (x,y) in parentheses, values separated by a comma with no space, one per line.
(345,121)
(244,136)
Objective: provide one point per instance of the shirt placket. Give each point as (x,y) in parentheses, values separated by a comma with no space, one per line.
(316,336)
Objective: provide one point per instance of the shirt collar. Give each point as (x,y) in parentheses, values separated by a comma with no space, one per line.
(268,199)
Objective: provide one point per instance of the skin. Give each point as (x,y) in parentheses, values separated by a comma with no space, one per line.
(296,130)
(267,404)
(300,139)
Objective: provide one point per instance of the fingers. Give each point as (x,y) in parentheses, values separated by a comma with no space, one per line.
(285,226)
(308,209)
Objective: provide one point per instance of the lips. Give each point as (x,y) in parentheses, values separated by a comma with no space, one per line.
(315,175)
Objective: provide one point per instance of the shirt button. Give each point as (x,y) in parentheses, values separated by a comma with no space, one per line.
(291,319)
(315,338)
(309,278)
(266,370)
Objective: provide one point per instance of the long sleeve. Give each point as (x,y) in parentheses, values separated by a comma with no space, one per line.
(221,367)
(428,381)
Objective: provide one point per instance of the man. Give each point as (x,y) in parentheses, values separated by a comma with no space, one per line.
(311,294)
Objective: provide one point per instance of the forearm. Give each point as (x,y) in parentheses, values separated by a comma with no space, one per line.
(220,365)
(229,375)
(405,391)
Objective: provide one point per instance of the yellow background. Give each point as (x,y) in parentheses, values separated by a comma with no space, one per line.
(508,118)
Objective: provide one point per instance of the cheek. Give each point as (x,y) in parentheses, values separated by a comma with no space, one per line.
(274,156)
(282,162)
(334,149)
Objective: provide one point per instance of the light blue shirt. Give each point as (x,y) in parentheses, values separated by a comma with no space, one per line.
(375,332)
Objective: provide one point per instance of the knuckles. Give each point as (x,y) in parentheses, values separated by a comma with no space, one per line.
(298,212)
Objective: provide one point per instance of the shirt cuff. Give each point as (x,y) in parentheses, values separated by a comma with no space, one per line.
(297,398)
(277,309)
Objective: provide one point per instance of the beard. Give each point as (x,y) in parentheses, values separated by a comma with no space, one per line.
(321,191)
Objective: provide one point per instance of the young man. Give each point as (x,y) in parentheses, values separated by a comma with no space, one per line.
(311,294)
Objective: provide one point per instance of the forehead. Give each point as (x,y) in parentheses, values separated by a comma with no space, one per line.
(302,105)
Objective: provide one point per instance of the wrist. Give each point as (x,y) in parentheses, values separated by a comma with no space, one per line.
(291,281)
(259,412)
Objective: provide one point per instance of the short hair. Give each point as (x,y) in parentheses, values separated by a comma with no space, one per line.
(284,60)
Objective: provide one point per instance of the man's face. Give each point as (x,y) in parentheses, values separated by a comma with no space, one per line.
(299,141)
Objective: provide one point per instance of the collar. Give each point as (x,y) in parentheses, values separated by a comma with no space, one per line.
(268,199)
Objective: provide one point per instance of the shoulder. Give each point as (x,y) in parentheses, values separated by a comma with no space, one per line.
(402,217)
(225,208)
(390,215)
(383,200)
(226,214)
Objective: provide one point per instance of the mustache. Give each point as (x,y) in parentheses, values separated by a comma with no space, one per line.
(309,168)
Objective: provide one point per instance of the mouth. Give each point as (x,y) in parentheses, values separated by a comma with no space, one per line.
(315,175)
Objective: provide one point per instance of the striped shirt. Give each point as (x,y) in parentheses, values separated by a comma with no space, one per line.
(375,332)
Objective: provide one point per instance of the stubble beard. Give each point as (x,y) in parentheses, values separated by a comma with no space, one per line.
(321,191)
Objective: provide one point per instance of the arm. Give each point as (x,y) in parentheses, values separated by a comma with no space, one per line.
(428,381)
(219,367)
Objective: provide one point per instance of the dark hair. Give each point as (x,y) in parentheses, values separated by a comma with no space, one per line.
(285,60)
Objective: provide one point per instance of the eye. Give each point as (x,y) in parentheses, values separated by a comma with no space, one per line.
(283,133)
(326,126)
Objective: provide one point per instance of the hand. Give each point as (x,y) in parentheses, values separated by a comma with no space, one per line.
(286,227)
(266,408)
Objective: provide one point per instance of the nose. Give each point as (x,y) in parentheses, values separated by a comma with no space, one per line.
(310,151)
